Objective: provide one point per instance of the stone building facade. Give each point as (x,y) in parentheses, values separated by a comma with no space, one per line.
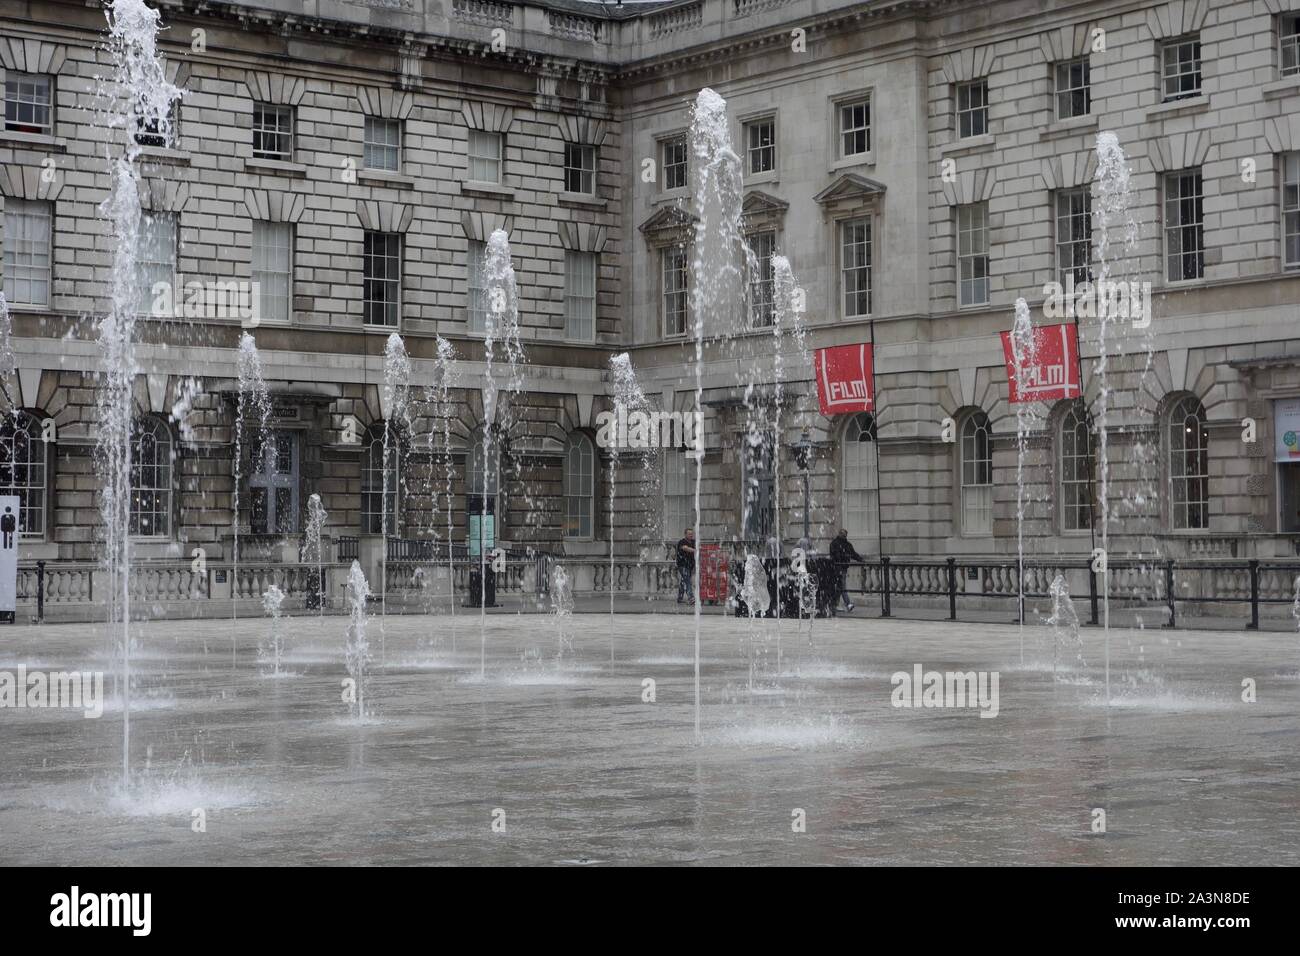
(922,165)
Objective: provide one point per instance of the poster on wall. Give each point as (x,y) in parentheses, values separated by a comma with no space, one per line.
(482,528)
(8,554)
(1286,429)
(1055,374)
(844,379)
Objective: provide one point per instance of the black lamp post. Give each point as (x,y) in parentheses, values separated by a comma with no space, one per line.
(803,458)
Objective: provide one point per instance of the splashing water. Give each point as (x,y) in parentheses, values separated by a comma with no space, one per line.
(397,387)
(7,363)
(1064,623)
(442,372)
(754,593)
(186,392)
(356,652)
(272,601)
(628,398)
(562,608)
(252,398)
(1024,352)
(314,548)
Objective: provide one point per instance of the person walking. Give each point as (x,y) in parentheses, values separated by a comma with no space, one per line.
(842,552)
(686,567)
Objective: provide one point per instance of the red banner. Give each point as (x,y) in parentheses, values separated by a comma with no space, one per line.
(844,379)
(1050,375)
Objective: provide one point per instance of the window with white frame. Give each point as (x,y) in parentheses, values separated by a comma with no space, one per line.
(1288,29)
(579,169)
(580,295)
(860,479)
(27,238)
(381,292)
(1184,226)
(151,478)
(28,103)
(1075,445)
(272,132)
(679,493)
(763,247)
(273,485)
(973,253)
(380,480)
(1073,88)
(1189,465)
(24,470)
(674,162)
(475,287)
(760,145)
(273,269)
(855,266)
(1181,68)
(383,144)
(676,294)
(1291,210)
(855,127)
(153,131)
(485,151)
(972,109)
(1073,234)
(976,475)
(155,260)
(579,486)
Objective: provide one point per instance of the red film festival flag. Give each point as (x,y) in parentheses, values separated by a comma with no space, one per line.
(1055,373)
(844,379)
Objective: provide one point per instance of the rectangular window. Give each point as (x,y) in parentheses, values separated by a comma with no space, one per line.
(855,266)
(1289,34)
(763,246)
(1182,68)
(1073,88)
(28,229)
(382,278)
(1184,226)
(973,253)
(674,162)
(152,131)
(579,169)
(580,295)
(972,109)
(1291,210)
(1073,234)
(272,132)
(760,146)
(855,128)
(273,269)
(383,144)
(676,305)
(475,287)
(28,103)
(484,156)
(679,493)
(155,263)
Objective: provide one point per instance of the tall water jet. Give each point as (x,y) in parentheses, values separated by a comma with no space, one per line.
(442,384)
(716,266)
(502,326)
(628,398)
(1024,353)
(1112,198)
(251,398)
(314,548)
(272,603)
(397,382)
(562,608)
(137,91)
(1064,623)
(754,593)
(356,652)
(7,364)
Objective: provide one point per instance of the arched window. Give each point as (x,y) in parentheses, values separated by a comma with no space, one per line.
(1189,465)
(151,478)
(380,479)
(859,478)
(579,486)
(1075,470)
(976,475)
(24,470)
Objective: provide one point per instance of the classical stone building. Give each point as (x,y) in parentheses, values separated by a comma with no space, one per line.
(921,164)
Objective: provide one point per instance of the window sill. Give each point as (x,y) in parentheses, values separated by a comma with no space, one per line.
(381,177)
(1068,127)
(367,327)
(1184,107)
(1282,87)
(473,186)
(670,196)
(580,199)
(971,144)
(762,179)
(276,166)
(848,162)
(34,140)
(163,154)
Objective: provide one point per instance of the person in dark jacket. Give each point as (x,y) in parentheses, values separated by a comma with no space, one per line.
(842,552)
(686,567)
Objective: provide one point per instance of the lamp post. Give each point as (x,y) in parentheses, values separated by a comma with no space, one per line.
(803,458)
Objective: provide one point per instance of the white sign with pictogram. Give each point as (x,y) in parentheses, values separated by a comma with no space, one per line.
(8,553)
